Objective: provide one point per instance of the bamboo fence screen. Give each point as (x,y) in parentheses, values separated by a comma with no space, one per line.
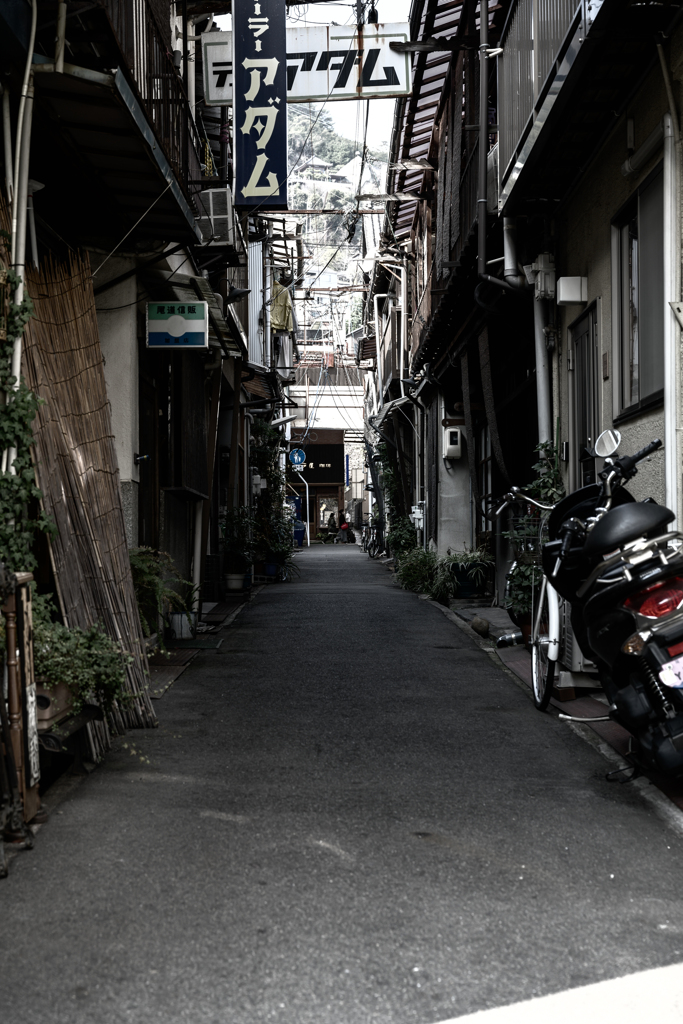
(77,469)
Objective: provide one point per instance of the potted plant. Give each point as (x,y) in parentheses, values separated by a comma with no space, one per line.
(237,527)
(471,568)
(274,531)
(158,589)
(74,667)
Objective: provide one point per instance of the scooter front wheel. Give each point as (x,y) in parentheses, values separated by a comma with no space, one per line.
(542,668)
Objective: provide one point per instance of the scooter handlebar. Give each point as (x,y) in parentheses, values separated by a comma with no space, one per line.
(629,462)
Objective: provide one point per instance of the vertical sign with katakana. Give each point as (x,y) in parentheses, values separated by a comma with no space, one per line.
(260,103)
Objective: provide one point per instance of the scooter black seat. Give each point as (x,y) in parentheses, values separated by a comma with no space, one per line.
(624,524)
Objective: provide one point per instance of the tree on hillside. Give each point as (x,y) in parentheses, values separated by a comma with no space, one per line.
(312,133)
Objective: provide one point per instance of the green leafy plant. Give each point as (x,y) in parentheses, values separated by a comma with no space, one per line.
(416,570)
(237,528)
(444,584)
(475,563)
(158,588)
(21,516)
(548,486)
(87,661)
(402,536)
(523,579)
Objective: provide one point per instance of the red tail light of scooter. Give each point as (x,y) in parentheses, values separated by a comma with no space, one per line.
(658,600)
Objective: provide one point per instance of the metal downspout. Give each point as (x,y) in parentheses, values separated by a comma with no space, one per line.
(671,289)
(482,200)
(403,341)
(545,432)
(379,342)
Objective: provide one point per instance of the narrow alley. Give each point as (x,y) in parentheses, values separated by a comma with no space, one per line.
(348,814)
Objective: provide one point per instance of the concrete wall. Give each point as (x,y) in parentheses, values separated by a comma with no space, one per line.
(117,324)
(454,524)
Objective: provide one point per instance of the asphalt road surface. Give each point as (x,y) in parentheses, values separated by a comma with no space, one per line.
(348,815)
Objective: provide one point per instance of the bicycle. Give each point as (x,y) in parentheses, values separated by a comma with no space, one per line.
(545,620)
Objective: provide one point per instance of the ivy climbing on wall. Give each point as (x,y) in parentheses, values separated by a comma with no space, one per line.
(20,513)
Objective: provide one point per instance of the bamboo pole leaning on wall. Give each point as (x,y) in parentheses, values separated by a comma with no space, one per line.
(77,471)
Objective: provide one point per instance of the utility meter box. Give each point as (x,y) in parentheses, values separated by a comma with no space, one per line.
(452,442)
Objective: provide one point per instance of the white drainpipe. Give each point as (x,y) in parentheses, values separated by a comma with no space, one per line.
(379,346)
(671,293)
(308,525)
(404,326)
(7,140)
(197,556)
(545,432)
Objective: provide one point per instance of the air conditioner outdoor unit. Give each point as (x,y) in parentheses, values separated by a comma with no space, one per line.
(571,655)
(216,216)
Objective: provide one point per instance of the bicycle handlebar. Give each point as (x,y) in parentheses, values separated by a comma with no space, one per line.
(516,495)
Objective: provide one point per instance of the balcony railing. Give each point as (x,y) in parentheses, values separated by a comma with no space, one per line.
(160,87)
(533,40)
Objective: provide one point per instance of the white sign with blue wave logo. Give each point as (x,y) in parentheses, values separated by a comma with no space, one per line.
(174,325)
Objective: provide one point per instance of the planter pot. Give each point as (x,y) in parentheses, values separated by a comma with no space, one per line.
(466,586)
(235,580)
(270,568)
(53,704)
(181,629)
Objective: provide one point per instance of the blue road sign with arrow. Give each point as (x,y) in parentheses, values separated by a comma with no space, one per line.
(297,456)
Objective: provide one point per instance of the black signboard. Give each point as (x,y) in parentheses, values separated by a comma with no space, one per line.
(260,103)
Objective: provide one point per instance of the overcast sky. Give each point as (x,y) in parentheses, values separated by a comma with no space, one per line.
(349,115)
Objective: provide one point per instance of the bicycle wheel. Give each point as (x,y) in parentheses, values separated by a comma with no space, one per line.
(372,548)
(542,668)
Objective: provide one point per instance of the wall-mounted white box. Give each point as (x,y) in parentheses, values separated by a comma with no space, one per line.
(572,290)
(452,443)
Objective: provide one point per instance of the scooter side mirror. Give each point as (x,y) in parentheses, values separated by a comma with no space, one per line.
(607,444)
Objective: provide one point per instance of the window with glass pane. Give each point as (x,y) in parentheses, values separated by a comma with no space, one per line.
(640,253)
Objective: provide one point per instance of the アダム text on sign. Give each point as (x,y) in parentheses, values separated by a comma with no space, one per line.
(260,103)
(324,62)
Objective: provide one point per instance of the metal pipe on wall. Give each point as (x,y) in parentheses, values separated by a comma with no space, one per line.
(197,556)
(403,340)
(671,292)
(7,141)
(510,265)
(542,373)
(378,345)
(308,510)
(19,250)
(482,199)
(60,40)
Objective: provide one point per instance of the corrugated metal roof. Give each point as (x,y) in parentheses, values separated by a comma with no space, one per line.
(416,120)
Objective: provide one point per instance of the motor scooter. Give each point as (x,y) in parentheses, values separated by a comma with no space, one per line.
(613,559)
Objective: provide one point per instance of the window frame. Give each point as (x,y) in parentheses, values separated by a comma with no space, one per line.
(622,410)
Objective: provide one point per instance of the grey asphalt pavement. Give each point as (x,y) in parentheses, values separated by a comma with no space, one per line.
(348,815)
